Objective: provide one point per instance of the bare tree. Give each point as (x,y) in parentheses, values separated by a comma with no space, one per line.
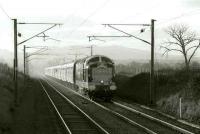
(183,41)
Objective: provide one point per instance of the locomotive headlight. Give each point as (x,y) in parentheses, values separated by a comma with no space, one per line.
(101,81)
(92,87)
(113,87)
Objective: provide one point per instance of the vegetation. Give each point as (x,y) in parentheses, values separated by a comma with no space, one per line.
(177,86)
(7,97)
(182,41)
(134,88)
(171,85)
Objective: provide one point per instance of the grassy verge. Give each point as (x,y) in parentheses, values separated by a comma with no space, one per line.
(7,97)
(188,91)
(171,85)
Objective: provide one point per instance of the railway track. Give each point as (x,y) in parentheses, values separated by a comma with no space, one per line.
(154,116)
(146,122)
(117,116)
(72,119)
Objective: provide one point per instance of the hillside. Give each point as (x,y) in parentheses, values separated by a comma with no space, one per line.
(6,57)
(61,55)
(118,53)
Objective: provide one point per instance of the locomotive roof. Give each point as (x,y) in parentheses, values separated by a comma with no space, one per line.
(61,66)
(87,59)
(82,61)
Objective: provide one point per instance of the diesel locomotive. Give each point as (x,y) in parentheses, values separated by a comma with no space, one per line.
(93,75)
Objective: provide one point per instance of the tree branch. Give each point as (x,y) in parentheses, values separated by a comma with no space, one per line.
(171,43)
(171,49)
(190,48)
(182,37)
(194,52)
(189,40)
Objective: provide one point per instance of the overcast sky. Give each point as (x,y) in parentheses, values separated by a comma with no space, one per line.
(81,18)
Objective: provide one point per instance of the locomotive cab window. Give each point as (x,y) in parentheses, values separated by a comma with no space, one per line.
(95,59)
(104,59)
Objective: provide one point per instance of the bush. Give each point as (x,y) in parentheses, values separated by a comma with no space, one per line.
(186,86)
(170,104)
(6,102)
(134,88)
(190,107)
(170,86)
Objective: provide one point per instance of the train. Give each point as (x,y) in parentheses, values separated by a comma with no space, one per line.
(92,75)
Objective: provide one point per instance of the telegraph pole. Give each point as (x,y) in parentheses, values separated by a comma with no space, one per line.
(15,62)
(152,82)
(26,56)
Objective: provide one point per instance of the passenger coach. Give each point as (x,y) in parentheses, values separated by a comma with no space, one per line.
(94,75)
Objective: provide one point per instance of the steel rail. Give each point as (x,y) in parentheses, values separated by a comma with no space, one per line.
(113,112)
(86,115)
(174,127)
(154,119)
(56,109)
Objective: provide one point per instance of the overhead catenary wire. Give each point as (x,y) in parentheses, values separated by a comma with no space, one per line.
(139,13)
(131,24)
(4,11)
(187,14)
(92,14)
(89,16)
(196,11)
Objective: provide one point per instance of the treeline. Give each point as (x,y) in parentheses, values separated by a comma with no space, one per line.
(134,68)
(172,82)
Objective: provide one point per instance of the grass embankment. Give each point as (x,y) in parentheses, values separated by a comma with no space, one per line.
(134,88)
(7,97)
(180,85)
(170,86)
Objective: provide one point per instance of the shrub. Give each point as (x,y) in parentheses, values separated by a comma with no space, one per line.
(135,88)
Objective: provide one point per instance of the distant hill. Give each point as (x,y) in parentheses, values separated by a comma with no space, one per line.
(60,55)
(6,57)
(122,53)
(118,53)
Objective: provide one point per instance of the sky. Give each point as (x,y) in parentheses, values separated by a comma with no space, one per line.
(81,18)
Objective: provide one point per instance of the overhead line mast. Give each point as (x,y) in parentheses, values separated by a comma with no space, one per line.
(16,98)
(152,96)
